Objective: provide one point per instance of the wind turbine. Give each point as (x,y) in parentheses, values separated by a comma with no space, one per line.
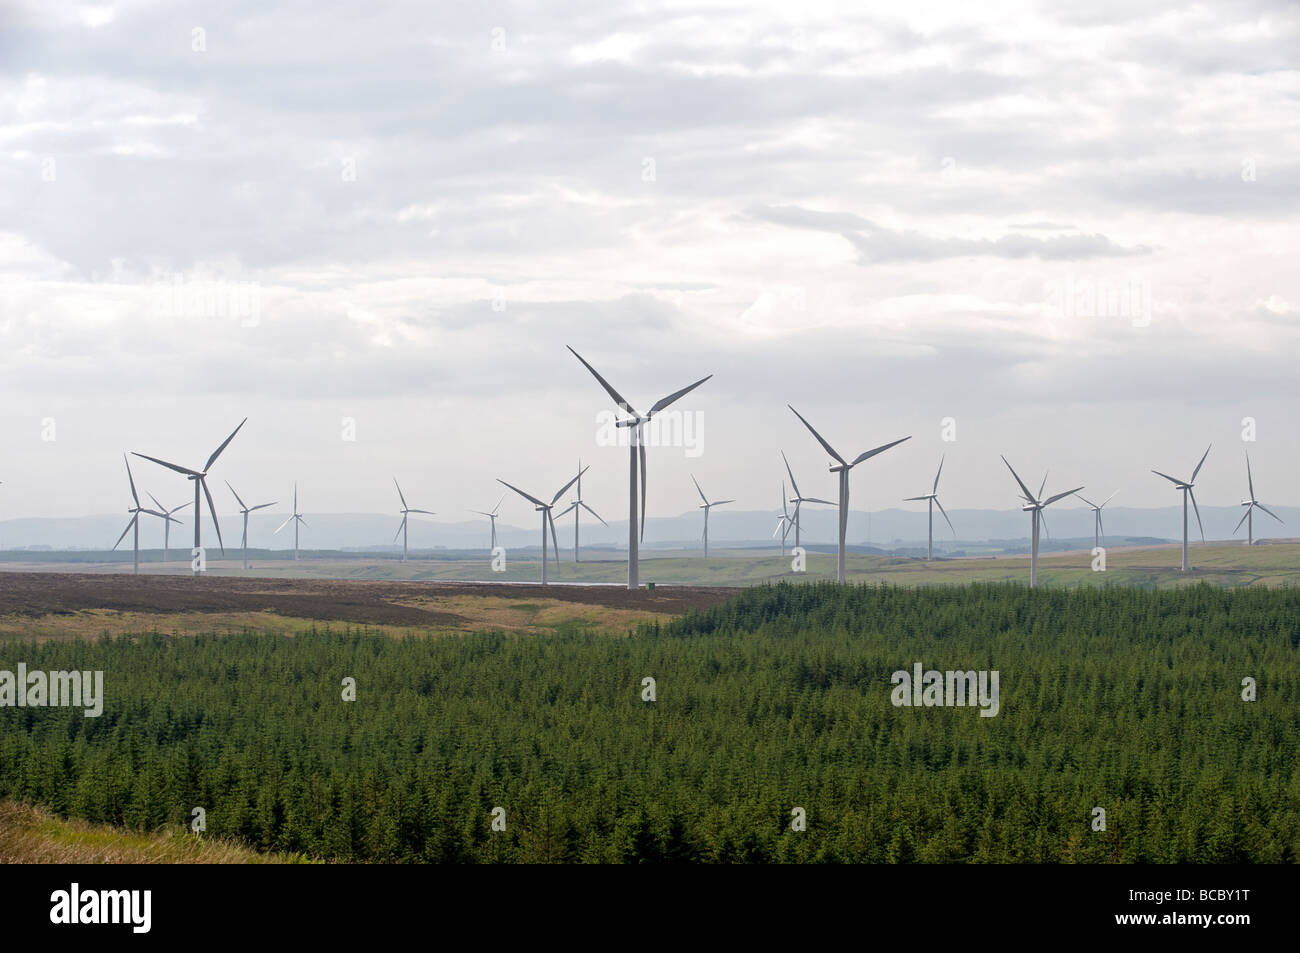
(545,510)
(576,506)
(493,517)
(1097,528)
(169,519)
(933,499)
(636,451)
(405,511)
(783,522)
(296,518)
(1186,487)
(1036,505)
(135,512)
(842,468)
(706,506)
(200,480)
(798,499)
(1250,505)
(246,510)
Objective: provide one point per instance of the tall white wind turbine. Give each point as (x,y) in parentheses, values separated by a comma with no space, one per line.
(636,457)
(1250,504)
(706,506)
(1098,530)
(1186,487)
(200,480)
(493,517)
(134,523)
(576,507)
(842,467)
(1035,505)
(168,520)
(246,510)
(547,518)
(933,499)
(406,510)
(296,519)
(783,522)
(799,500)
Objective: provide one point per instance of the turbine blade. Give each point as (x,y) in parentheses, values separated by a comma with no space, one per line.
(1250,480)
(213,509)
(302,521)
(936,476)
(913,499)
(526,496)
(1042,518)
(262,506)
(1271,513)
(1060,496)
(820,439)
(660,405)
(134,495)
(1201,464)
(945,516)
(618,398)
(698,490)
(1029,497)
(284,524)
(592,512)
(216,453)
(236,495)
(400,527)
(130,523)
(791,472)
(1198,511)
(1242,520)
(498,506)
(169,466)
(1100,525)
(813,499)
(1043,485)
(161,507)
(1108,499)
(399,492)
(571,508)
(564,489)
(425,512)
(1089,502)
(720,502)
(555,543)
(1168,477)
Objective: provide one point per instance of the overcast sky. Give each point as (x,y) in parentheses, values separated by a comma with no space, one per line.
(883,214)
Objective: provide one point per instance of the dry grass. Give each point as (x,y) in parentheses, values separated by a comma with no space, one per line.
(29,835)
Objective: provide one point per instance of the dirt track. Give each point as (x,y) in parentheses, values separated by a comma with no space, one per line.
(366,602)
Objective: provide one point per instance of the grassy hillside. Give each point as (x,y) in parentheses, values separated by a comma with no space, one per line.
(30,835)
(1119,698)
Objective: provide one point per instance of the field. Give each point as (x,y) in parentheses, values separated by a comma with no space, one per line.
(776,699)
(1220,563)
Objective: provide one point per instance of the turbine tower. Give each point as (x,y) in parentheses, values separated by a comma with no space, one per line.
(1186,487)
(246,510)
(636,457)
(1250,505)
(1035,505)
(706,506)
(401,530)
(576,506)
(799,500)
(493,517)
(134,523)
(842,468)
(295,519)
(200,480)
(168,520)
(1097,528)
(547,518)
(933,499)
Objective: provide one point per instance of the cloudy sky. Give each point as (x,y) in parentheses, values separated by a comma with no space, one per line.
(883,214)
